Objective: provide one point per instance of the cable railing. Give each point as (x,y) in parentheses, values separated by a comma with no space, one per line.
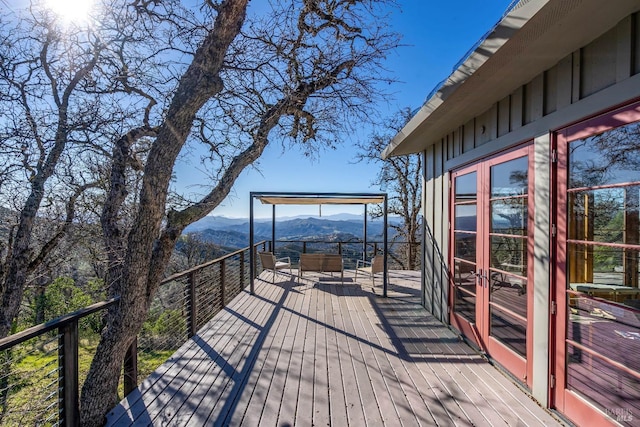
(42,368)
(39,377)
(351,251)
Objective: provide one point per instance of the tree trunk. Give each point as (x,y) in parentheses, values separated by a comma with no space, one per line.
(20,260)
(146,256)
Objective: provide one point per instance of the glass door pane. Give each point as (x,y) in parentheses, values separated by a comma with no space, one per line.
(602,333)
(465,212)
(490,257)
(508,217)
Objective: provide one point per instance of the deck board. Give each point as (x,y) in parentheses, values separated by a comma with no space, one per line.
(317,352)
(344,332)
(364,385)
(287,412)
(144,399)
(250,383)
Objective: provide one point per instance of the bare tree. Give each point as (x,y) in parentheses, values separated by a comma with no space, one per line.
(297,74)
(401,177)
(289,74)
(192,250)
(98,115)
(45,123)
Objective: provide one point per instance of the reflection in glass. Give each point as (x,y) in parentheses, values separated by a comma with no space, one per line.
(465,246)
(466,217)
(465,305)
(510,178)
(466,187)
(602,271)
(465,276)
(509,292)
(604,215)
(509,254)
(509,330)
(609,219)
(509,216)
(464,302)
(465,225)
(603,254)
(610,331)
(612,157)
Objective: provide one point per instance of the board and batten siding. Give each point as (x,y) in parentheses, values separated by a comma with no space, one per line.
(594,78)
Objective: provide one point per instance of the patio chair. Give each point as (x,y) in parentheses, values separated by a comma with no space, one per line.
(270,262)
(376,265)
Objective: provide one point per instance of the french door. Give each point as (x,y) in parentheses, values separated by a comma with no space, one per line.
(597,287)
(491,265)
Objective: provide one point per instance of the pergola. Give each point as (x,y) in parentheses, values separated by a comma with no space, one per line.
(274,198)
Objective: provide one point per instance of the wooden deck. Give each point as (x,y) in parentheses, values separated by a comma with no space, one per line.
(324,354)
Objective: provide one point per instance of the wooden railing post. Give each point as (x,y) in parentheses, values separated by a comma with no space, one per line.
(192,322)
(68,364)
(340,248)
(131,367)
(222,284)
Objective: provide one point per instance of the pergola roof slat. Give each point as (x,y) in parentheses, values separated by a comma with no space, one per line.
(320,200)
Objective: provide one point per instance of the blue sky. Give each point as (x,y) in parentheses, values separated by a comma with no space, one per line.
(436,35)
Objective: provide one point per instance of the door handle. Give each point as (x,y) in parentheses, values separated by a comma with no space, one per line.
(483,277)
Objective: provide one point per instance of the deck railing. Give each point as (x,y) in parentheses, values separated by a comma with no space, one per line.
(42,368)
(351,251)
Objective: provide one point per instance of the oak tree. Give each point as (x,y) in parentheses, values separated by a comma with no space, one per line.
(401,177)
(299,73)
(95,118)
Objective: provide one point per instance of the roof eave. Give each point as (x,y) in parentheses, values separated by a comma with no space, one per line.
(530,39)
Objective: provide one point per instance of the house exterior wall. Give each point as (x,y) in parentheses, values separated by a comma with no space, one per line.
(594,78)
(436,213)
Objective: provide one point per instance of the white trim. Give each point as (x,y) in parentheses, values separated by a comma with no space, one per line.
(621,93)
(541,268)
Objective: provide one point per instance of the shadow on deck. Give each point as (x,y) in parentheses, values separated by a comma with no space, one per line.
(322,353)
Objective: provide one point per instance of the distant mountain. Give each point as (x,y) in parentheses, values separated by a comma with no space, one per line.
(229,239)
(214,223)
(312,228)
(234,232)
(224,223)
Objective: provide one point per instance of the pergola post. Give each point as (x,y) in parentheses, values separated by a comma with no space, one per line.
(364,249)
(275,198)
(252,255)
(385,240)
(273,229)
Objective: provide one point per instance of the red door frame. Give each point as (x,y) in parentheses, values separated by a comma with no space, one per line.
(480,331)
(470,330)
(566,401)
(514,362)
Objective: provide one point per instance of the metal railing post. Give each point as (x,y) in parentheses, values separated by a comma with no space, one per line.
(242,270)
(222,283)
(68,374)
(192,322)
(131,367)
